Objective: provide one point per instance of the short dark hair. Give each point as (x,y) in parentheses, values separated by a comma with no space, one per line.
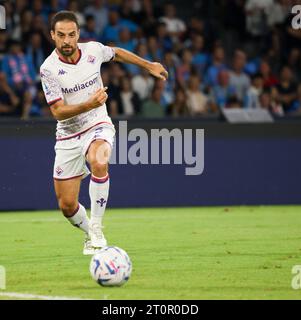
(63,15)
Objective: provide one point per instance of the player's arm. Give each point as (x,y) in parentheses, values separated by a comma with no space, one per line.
(154,68)
(62,111)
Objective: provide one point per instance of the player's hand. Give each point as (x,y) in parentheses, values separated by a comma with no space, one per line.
(157,70)
(98,98)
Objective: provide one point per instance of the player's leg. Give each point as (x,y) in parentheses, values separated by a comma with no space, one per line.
(98,157)
(67,192)
(69,169)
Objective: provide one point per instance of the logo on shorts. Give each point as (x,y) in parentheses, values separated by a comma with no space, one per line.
(62,72)
(101,202)
(59,171)
(91,59)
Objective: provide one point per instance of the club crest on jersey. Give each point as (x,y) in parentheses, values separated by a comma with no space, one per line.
(91,59)
(62,72)
(59,171)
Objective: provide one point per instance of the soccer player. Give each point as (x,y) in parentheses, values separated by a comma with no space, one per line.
(73,88)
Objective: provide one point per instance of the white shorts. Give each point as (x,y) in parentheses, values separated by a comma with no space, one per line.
(70,159)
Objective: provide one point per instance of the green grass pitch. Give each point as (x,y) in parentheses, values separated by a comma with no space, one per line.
(177,253)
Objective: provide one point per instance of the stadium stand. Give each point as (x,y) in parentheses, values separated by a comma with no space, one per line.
(201,45)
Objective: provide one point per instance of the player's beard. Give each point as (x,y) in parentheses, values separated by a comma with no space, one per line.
(66,51)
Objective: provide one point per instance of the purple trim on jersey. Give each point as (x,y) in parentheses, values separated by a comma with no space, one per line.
(75,62)
(64,179)
(54,101)
(79,133)
(100,180)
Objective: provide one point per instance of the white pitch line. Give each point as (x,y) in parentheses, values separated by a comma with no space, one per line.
(36,296)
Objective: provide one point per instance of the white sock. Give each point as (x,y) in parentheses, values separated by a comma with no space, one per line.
(99,192)
(80,219)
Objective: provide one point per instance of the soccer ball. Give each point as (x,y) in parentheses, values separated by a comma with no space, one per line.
(111,266)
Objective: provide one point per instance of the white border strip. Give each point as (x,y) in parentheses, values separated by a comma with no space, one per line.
(36,296)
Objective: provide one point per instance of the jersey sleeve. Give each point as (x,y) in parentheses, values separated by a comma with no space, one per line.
(51,87)
(106,53)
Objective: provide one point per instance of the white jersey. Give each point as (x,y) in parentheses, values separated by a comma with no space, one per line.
(74,83)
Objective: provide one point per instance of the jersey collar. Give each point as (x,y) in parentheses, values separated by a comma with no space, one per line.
(65,61)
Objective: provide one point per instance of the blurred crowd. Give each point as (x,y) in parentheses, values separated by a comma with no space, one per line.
(219,54)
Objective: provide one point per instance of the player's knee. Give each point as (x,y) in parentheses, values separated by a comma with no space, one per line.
(98,169)
(68,207)
(99,155)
